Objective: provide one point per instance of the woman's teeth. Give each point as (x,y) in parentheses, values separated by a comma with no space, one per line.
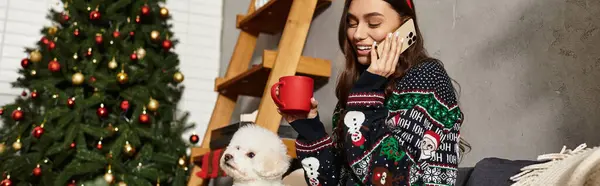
(364,47)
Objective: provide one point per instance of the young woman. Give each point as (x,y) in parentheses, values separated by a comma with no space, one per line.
(397,121)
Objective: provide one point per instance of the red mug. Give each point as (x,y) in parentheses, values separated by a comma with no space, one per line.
(295,93)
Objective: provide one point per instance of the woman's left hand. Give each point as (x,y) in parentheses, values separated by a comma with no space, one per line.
(310,115)
(389,53)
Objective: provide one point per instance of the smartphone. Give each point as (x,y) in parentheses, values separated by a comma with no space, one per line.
(408,31)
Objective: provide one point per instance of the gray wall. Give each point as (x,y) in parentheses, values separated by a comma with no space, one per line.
(529,70)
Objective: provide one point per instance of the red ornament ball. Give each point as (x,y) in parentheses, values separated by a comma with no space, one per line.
(6,182)
(194,138)
(71,102)
(102,112)
(145,10)
(98,38)
(17,115)
(54,66)
(131,33)
(23,93)
(89,53)
(137,19)
(45,40)
(34,95)
(1,111)
(25,63)
(73,145)
(133,56)
(65,17)
(116,34)
(76,32)
(51,45)
(167,44)
(144,118)
(92,79)
(124,104)
(99,146)
(37,171)
(37,132)
(94,15)
(72,183)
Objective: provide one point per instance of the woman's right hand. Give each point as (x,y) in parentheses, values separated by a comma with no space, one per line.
(293,117)
(384,57)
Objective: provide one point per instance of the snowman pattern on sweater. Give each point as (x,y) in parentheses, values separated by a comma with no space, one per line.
(311,168)
(354,120)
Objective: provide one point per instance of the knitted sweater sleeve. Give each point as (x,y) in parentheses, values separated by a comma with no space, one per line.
(420,120)
(316,151)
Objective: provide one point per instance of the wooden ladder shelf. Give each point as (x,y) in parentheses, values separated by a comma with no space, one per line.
(291,17)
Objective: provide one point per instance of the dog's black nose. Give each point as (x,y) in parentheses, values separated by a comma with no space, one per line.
(228,157)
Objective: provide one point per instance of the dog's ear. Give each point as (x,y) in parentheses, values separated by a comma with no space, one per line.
(274,168)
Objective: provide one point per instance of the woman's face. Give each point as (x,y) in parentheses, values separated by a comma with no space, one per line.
(369,21)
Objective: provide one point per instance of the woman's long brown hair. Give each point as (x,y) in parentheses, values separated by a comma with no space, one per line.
(412,56)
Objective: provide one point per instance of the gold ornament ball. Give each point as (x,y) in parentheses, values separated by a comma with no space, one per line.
(129,149)
(164,12)
(141,53)
(122,77)
(52,30)
(113,63)
(17,145)
(178,77)
(122,183)
(77,78)
(154,35)
(108,177)
(181,161)
(35,56)
(33,72)
(2,148)
(153,105)
(111,129)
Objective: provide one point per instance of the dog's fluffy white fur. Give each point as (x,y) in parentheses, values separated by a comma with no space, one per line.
(255,156)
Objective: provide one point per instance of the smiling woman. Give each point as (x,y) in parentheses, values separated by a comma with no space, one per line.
(366,23)
(376,20)
(397,120)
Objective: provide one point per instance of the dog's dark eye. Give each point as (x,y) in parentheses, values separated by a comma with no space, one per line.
(250,154)
(237,147)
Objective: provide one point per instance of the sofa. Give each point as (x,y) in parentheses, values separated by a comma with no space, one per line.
(491,172)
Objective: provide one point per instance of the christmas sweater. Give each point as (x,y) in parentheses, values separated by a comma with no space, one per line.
(410,137)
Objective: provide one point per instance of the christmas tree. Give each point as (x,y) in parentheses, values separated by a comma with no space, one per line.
(100,97)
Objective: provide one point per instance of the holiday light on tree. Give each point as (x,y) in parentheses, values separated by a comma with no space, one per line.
(100,94)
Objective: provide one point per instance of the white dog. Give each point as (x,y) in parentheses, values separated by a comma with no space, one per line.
(255,156)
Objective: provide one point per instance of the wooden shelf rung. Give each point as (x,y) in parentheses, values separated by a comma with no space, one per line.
(271,17)
(252,81)
(308,65)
